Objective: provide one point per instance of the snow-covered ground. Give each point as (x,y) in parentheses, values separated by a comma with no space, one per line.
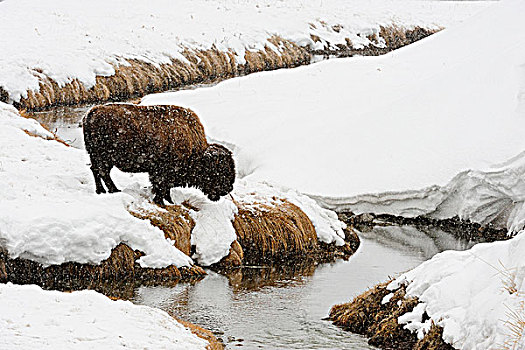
(436,127)
(31,318)
(50,213)
(66,40)
(471,294)
(351,130)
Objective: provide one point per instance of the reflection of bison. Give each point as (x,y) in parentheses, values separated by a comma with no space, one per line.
(168,142)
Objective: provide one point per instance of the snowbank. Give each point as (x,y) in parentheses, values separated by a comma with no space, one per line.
(49,212)
(32,318)
(471,294)
(495,195)
(214,233)
(65,40)
(382,126)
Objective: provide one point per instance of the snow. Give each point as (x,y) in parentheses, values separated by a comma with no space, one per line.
(213,233)
(470,293)
(352,132)
(326,223)
(434,128)
(31,317)
(50,213)
(66,40)
(495,195)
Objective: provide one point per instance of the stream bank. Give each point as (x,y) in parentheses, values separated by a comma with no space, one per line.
(276,307)
(138,78)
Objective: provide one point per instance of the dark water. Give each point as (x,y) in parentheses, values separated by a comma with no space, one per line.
(65,122)
(269,308)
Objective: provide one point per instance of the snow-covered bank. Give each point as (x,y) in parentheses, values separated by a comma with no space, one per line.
(49,212)
(214,231)
(31,318)
(367,129)
(471,294)
(66,41)
(495,195)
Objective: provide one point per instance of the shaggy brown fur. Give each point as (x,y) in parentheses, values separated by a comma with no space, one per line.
(168,142)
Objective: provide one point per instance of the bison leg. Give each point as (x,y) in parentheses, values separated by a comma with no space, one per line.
(98,182)
(101,171)
(156,188)
(160,190)
(167,195)
(158,198)
(104,173)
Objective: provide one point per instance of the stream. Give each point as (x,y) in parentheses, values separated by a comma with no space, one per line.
(273,307)
(270,308)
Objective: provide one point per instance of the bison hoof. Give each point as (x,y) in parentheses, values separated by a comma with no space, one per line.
(158,200)
(214,197)
(100,190)
(113,190)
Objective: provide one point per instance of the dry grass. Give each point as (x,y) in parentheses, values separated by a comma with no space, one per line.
(516,327)
(174,221)
(55,137)
(393,36)
(214,343)
(269,233)
(433,340)
(141,78)
(359,315)
(119,268)
(366,315)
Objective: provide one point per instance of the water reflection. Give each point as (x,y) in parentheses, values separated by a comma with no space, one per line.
(65,122)
(425,241)
(276,308)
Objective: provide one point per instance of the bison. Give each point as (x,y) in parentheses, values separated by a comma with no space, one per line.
(167,142)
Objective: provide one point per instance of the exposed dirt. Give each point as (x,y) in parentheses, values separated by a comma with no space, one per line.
(117,273)
(366,315)
(462,229)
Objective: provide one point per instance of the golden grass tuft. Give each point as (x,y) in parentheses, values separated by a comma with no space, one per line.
(174,221)
(358,315)
(234,259)
(55,137)
(269,232)
(433,340)
(366,315)
(139,78)
(214,343)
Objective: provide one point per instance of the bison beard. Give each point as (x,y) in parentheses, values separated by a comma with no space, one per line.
(167,142)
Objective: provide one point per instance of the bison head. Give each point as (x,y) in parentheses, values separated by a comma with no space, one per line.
(217,172)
